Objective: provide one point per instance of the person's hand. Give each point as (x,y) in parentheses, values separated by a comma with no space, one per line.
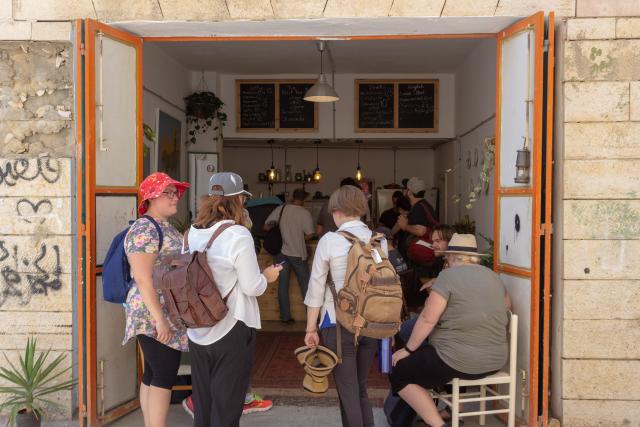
(163,330)
(427,285)
(403,221)
(272,272)
(398,356)
(311,339)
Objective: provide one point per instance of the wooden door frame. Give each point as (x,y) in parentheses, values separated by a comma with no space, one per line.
(86,181)
(537,22)
(88,269)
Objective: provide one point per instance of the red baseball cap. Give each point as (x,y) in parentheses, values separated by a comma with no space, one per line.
(153,186)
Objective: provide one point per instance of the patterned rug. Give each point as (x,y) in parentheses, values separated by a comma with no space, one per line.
(275,366)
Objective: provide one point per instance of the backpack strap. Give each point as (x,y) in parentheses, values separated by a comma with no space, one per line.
(217,233)
(281,212)
(332,287)
(158,228)
(349,236)
(432,221)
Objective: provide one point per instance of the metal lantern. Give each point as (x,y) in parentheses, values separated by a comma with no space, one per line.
(523,165)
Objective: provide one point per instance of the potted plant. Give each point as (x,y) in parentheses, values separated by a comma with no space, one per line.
(31,385)
(202,108)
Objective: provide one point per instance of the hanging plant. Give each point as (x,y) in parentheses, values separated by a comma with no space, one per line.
(203,109)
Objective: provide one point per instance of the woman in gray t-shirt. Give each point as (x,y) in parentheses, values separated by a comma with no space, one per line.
(466,319)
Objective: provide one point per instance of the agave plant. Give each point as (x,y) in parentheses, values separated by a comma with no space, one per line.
(32,383)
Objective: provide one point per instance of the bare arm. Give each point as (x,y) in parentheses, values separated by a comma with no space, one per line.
(436,304)
(416,229)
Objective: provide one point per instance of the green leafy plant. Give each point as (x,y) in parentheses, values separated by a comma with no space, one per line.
(203,108)
(32,382)
(148,132)
(465,226)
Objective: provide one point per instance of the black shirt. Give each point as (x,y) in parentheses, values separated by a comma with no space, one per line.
(389,218)
(422,214)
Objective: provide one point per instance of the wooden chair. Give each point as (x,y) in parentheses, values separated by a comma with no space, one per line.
(486,393)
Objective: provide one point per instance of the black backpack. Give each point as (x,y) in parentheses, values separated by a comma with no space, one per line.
(273,239)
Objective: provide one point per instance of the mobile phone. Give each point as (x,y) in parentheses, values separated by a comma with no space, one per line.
(281,262)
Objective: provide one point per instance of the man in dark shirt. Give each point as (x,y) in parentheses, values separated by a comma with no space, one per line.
(420,218)
(390,216)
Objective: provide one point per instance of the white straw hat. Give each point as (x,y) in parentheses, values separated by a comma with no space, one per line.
(462,244)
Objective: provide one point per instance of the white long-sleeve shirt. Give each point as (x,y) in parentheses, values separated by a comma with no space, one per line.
(331,255)
(233,262)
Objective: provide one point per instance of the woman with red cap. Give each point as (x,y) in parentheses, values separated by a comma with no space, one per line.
(147,244)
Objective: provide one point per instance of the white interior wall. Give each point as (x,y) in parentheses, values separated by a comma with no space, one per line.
(344,85)
(335,164)
(475,94)
(166,83)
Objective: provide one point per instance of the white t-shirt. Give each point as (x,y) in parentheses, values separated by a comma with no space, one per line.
(295,224)
(233,262)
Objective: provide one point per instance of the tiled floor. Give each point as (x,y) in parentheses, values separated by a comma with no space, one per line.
(283,416)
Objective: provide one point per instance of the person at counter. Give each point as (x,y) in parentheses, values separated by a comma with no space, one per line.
(389,217)
(325,221)
(296,227)
(421,217)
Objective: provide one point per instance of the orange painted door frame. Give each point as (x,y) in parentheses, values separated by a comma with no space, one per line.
(87,269)
(86,31)
(540,193)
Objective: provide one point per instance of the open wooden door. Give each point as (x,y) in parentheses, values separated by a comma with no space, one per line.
(522,228)
(110,161)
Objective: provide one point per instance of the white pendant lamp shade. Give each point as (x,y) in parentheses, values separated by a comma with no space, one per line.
(321,91)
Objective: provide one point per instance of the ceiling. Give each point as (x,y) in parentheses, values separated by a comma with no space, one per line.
(302,57)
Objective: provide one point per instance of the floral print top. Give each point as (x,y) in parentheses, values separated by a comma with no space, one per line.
(143,237)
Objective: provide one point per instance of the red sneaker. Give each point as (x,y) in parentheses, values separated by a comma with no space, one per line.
(187,404)
(257,405)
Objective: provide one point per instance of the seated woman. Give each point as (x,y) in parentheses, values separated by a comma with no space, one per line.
(466,319)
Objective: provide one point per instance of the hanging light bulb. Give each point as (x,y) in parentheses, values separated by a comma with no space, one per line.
(317,176)
(271,173)
(359,174)
(321,91)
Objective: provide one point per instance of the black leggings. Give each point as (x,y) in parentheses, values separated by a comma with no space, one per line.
(161,363)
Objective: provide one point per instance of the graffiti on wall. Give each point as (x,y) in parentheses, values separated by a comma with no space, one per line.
(24,274)
(23,169)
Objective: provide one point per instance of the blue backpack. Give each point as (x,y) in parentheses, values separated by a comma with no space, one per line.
(116,272)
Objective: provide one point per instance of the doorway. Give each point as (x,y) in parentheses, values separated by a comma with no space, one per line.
(113,159)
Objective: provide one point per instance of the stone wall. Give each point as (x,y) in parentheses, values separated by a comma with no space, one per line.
(601,337)
(36,200)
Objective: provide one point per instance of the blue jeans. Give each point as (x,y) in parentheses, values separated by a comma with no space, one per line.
(301,269)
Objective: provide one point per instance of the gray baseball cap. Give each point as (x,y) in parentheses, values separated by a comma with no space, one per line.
(227,184)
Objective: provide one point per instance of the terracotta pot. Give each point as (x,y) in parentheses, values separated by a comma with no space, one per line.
(27,419)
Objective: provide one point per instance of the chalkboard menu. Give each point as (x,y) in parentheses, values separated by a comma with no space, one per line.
(396,106)
(375,105)
(257,105)
(416,105)
(274,105)
(295,112)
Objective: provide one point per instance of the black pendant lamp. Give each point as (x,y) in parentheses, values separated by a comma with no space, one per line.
(317,176)
(359,174)
(271,173)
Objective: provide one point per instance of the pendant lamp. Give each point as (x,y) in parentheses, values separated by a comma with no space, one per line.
(359,174)
(321,91)
(271,173)
(317,176)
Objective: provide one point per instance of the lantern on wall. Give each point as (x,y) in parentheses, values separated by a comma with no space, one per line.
(523,165)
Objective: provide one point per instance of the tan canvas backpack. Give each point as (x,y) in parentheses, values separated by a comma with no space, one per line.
(189,290)
(370,303)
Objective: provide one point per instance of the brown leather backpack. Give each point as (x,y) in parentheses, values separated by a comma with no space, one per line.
(190,293)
